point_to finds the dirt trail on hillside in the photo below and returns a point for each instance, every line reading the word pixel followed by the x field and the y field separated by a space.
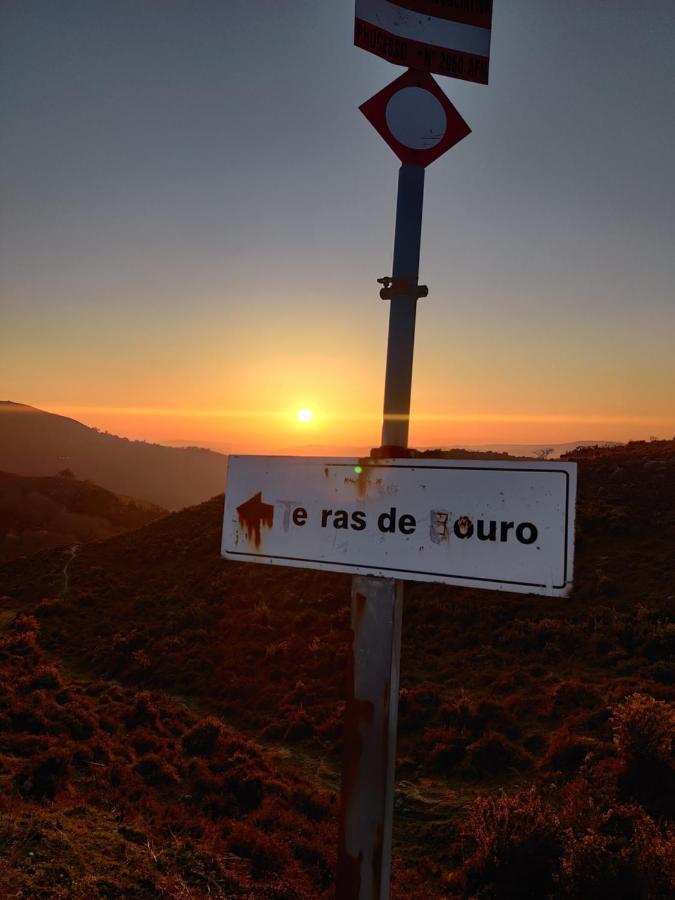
pixel 72 553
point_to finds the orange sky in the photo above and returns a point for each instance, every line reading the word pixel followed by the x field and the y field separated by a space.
pixel 190 247
pixel 236 380
pixel 272 431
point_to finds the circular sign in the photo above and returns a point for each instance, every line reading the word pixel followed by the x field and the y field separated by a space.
pixel 416 118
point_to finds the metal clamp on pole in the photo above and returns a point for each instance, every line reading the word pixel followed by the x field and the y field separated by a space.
pixel 402 287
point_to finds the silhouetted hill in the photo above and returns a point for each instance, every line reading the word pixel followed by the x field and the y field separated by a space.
pixel 460 453
pixel 41 513
pixel 500 451
pixel 532 729
pixel 33 442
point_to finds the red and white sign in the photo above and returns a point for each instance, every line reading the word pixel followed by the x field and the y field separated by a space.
pixel 447 37
pixel 415 118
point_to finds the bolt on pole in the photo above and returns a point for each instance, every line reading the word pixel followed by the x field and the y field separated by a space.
pixel 371 715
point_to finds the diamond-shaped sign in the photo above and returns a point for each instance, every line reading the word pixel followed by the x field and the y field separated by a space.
pixel 415 118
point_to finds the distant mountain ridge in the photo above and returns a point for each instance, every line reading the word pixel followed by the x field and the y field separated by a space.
pixel 551 450
pixel 34 442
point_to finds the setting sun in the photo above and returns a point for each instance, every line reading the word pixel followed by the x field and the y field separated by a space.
pixel 305 415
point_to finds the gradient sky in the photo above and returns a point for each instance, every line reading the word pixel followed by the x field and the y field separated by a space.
pixel 193 214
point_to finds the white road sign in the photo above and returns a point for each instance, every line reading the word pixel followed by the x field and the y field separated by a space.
pixel 496 525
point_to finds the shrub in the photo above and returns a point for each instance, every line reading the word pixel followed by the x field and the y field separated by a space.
pixel 644 733
pixel 569 697
pixel 663 671
pixel 49 607
pixel 43 678
pixel 655 859
pixel 517 842
pixel 24 624
pixel 644 729
pixel 660 644
pixel 80 723
pixel 417 705
pixel 143 712
pixel 463 715
pixel 446 748
pixel 314 859
pixel 310 804
pixel 145 741
pixel 493 753
pixel 45 776
pixel 535 743
pixel 592 870
pixel 248 791
pixel 567 751
pixel 267 856
pixel 22 640
pixel 202 739
pixel 625 858
pixel 332 727
pixel 155 772
pixel 300 726
pixel 495 717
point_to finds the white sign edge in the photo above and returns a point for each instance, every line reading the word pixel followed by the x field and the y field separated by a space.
pixel 567 468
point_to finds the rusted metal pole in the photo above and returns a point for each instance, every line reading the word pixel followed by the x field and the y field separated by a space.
pixel 371 717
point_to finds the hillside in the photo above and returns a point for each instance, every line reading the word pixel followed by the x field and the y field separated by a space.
pixel 536 735
pixel 43 513
pixel 33 442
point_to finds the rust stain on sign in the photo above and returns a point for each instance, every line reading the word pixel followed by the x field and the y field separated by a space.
pixel 253 514
pixel 362 480
pixel 439 531
pixel 463 527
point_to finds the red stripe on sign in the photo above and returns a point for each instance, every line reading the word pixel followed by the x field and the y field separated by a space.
pixel 424 57
pixel 469 12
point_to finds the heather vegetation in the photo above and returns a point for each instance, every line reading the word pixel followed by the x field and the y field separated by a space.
pixel 112 792
pixel 171 724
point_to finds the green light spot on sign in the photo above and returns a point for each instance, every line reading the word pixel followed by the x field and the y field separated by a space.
pixel 358 469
